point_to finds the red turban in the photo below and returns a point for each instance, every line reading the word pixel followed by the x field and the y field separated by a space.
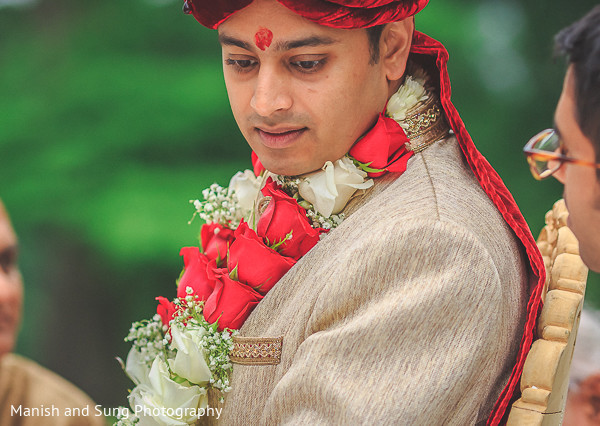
pixel 332 13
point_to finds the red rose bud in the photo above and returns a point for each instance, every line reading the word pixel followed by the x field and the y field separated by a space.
pixel 198 274
pixel 165 309
pixel 282 215
pixel 216 240
pixel 230 303
pixel 257 265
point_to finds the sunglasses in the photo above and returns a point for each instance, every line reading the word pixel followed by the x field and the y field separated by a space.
pixel 545 157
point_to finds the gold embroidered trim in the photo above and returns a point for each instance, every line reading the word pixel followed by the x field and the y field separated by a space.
pixel 256 350
pixel 426 124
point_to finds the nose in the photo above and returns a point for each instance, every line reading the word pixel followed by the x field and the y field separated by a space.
pixel 271 93
pixel 559 174
pixel 10 287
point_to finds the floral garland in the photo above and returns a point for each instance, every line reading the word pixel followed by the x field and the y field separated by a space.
pixel 255 231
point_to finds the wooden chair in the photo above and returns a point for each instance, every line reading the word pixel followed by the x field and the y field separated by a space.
pixel 545 379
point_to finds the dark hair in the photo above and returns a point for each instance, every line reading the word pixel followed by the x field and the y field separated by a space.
pixel 374 36
pixel 580 42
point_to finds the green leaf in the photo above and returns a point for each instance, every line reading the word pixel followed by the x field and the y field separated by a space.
pixel 179 279
pixel 234 273
pixel 283 240
pixel 305 204
pixel 178 379
pixel 365 166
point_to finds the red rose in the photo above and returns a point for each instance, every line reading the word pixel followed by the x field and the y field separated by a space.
pixel 230 303
pixel 383 147
pixel 216 240
pixel 198 273
pixel 258 266
pixel 165 309
pixel 282 215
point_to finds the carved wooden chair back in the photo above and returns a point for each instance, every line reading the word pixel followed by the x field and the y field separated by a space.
pixel 545 379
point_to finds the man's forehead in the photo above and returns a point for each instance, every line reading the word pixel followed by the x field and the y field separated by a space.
pixel 7 234
pixel 565 109
pixel 271 16
pixel 279 30
pixel 3 212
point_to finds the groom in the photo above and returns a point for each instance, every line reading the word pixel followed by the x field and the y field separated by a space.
pixel 413 310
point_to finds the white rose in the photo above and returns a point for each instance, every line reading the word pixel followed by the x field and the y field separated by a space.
pixel 136 367
pixel 165 402
pixel 330 190
pixel 246 187
pixel 190 360
pixel 408 96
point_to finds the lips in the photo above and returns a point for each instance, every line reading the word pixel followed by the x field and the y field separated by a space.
pixel 280 138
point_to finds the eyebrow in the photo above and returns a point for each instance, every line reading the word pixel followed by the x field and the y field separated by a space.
pixel 312 41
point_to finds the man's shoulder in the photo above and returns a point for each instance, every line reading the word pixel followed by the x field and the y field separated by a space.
pixel 438 185
pixel 23 381
pixel 437 192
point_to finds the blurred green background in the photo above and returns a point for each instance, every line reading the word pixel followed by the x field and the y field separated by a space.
pixel 113 114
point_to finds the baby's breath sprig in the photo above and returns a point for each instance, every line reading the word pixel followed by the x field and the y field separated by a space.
pixel 148 337
pixel 320 221
pixel 289 184
pixel 216 344
pixel 125 417
pixel 219 345
pixel 220 206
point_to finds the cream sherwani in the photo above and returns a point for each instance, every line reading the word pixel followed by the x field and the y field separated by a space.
pixel 410 312
pixel 31 395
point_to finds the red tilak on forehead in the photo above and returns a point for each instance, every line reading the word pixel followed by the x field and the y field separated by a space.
pixel 263 38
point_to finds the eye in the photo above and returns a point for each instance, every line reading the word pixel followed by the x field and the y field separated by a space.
pixel 8 260
pixel 308 66
pixel 241 65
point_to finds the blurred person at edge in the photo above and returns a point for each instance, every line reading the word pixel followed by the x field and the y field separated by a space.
pixel 571 150
pixel 29 393
pixel 583 402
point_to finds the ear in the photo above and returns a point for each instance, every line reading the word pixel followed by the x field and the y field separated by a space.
pixel 395 46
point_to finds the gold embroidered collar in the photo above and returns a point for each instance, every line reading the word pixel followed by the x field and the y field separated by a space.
pixel 426 124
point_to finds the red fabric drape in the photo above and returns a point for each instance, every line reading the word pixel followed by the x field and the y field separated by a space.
pixel 499 194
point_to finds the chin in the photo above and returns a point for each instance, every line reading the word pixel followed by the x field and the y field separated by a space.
pixel 7 344
pixel 591 258
pixel 287 167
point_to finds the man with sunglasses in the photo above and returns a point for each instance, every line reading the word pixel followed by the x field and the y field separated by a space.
pixel 571 151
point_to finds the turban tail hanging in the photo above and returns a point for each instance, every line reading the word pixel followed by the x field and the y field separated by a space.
pixel 348 14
